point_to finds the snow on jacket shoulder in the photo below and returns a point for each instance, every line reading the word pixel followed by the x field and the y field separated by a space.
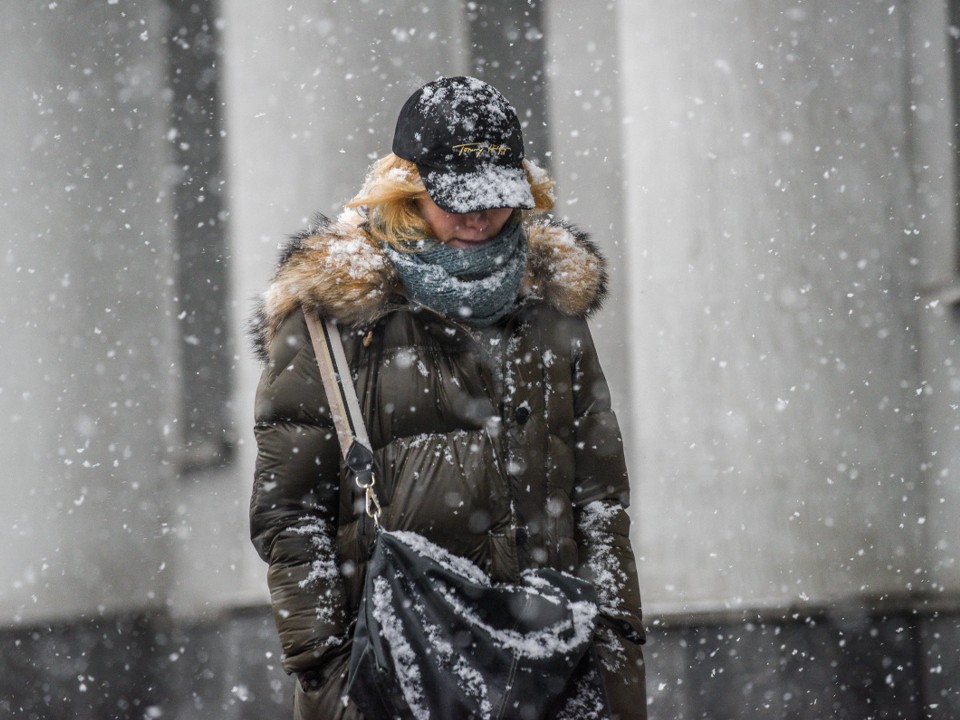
pixel 500 446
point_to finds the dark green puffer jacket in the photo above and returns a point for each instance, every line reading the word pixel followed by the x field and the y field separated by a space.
pixel 498 445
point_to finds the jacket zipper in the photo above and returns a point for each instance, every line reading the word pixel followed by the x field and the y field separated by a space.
pixel 496 443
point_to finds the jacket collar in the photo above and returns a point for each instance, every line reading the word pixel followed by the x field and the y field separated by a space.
pixel 337 267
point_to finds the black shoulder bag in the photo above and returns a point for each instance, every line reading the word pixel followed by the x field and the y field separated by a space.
pixel 435 638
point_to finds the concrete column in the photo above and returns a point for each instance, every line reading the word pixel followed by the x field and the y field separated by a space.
pixel 89 360
pixel 774 325
pixel 933 89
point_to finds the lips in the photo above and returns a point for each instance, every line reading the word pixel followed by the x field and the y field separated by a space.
pixel 461 243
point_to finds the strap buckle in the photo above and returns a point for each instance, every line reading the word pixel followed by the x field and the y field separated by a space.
pixel 365 480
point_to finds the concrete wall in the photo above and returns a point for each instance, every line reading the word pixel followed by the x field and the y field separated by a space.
pixel 774 183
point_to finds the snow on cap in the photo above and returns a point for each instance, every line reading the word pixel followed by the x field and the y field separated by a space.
pixel 466 141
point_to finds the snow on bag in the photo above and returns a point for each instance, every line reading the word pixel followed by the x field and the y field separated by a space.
pixel 436 639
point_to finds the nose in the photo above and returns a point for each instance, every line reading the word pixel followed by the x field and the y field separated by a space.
pixel 475 220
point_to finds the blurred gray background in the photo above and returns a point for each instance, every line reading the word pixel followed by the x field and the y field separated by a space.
pixel 775 184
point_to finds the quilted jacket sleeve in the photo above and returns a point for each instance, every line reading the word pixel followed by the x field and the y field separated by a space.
pixel 601 496
pixel 294 507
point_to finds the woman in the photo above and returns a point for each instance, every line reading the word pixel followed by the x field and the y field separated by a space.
pixel 462 311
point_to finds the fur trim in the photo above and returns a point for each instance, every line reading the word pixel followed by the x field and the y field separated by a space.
pixel 334 266
pixel 337 267
pixel 564 268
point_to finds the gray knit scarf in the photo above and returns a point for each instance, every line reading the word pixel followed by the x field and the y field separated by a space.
pixel 475 285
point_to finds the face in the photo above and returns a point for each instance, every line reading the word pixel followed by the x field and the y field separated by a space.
pixel 463 230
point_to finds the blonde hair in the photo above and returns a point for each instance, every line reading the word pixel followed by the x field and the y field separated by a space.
pixel 393 186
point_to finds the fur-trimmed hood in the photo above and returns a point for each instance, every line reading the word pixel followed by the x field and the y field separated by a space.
pixel 337 267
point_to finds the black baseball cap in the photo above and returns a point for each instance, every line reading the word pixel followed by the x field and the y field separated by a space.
pixel 465 140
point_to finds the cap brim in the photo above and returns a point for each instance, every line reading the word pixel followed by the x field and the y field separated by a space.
pixel 483 188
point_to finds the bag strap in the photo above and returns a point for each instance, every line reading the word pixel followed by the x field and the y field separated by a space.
pixel 344 406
